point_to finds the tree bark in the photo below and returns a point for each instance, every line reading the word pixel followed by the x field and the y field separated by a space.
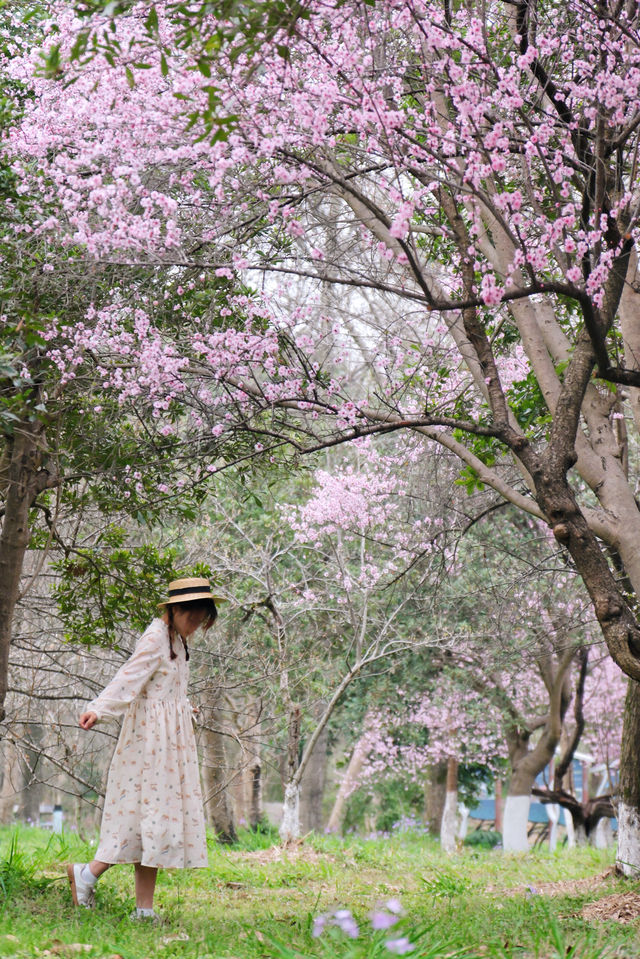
pixel 516 819
pixel 526 763
pixel 23 479
pixel 256 812
pixel 585 814
pixel 290 825
pixel 11 782
pixel 435 790
pixel 628 858
pixel 449 823
pixel 218 805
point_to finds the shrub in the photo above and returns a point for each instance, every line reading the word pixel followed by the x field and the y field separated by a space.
pixel 485 838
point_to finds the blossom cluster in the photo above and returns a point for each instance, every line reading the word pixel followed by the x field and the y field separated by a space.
pixel 381 919
pixel 133 182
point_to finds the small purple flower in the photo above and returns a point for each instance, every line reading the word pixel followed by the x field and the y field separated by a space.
pixel 342 918
pixel 394 906
pixel 345 921
pixel 400 946
pixel 382 920
pixel 318 926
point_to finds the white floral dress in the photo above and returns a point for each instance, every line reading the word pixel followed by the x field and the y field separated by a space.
pixel 153 812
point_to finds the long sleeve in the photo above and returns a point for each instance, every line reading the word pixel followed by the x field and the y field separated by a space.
pixel 131 678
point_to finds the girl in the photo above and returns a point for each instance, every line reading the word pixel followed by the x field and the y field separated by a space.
pixel 153 814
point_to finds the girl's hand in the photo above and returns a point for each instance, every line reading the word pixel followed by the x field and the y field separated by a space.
pixel 87 720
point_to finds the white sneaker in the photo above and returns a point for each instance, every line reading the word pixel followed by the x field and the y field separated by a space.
pixel 82 892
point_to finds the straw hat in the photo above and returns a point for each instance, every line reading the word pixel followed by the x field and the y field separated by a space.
pixel 187 590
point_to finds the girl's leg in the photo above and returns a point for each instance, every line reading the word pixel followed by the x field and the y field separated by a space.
pixel 83 878
pixel 145 885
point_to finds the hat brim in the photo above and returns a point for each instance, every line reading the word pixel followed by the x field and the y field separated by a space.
pixel 183 600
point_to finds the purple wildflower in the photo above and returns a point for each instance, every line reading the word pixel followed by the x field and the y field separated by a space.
pixel 394 906
pixel 342 918
pixel 382 920
pixel 318 926
pixel 399 946
pixel 345 921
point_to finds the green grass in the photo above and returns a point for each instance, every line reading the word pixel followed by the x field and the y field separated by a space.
pixel 258 900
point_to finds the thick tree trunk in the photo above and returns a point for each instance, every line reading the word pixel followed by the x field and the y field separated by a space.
pixel 12 782
pixel 435 790
pixel 245 763
pixel 619 628
pixel 525 763
pixel 580 833
pixel 22 479
pixel 515 825
pixel 218 805
pixel 290 825
pixel 628 858
pixel 448 828
pixel 516 808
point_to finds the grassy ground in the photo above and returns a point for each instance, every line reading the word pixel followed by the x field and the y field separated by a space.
pixel 258 900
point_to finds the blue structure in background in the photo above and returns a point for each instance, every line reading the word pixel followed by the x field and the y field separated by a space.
pixel 484 813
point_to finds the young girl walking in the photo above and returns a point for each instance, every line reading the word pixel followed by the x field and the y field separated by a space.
pixel 153 815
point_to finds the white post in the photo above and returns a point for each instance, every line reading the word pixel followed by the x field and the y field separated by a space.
pixel 603 835
pixel 449 822
pixel 463 819
pixel 514 828
pixel 553 812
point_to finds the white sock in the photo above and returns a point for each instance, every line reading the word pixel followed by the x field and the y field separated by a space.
pixel 140 911
pixel 87 876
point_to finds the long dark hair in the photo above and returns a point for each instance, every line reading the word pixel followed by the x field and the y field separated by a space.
pixel 207 606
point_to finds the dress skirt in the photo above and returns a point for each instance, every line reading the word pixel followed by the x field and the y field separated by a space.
pixel 153 812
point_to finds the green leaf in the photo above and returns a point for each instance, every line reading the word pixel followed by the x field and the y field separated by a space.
pixel 80 45
pixel 52 61
pixel 151 22
pixel 130 79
